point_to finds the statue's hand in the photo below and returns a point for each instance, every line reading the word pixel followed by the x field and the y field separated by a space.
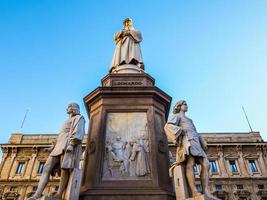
pixel 69 149
pixel 49 149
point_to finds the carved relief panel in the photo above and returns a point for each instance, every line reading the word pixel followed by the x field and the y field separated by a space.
pixel 127 149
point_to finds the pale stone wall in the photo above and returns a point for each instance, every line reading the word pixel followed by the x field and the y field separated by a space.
pixel 222 148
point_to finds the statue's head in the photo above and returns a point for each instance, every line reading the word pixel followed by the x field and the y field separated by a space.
pixel 128 22
pixel 118 138
pixel 180 105
pixel 73 108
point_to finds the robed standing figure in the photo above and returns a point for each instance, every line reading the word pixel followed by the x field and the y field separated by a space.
pixel 65 153
pixel 127 49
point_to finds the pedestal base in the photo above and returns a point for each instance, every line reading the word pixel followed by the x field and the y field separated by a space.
pixel 73 188
pixel 127 68
pixel 48 198
pixel 180 183
pixel 203 197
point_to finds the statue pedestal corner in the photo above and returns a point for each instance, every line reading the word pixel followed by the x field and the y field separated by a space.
pixel 179 182
pixel 73 189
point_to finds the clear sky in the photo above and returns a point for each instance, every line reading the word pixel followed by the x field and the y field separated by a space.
pixel 211 53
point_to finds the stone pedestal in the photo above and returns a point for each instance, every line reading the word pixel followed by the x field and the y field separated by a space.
pixel 73 188
pixel 202 197
pixel 180 182
pixel 47 198
pixel 127 151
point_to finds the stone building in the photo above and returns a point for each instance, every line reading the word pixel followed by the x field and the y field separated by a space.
pixel 238 165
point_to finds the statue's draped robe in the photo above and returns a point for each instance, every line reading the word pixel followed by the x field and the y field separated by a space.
pixel 140 151
pixel 190 142
pixel 72 132
pixel 128 50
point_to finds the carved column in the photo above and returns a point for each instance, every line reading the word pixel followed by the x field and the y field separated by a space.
pixel 241 161
pixel 32 161
pixel 14 151
pixel 264 154
pixel 4 156
pixel 262 165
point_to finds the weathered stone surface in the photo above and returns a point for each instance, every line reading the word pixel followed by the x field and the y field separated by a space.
pixel 202 197
pixel 48 198
pixel 127 80
pixel 127 147
pixel 143 105
pixel 73 189
pixel 179 181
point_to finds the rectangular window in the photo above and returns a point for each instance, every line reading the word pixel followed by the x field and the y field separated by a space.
pixel 242 198
pixel 40 168
pixel 233 166
pixel 218 187
pixel 261 187
pixel 34 188
pixel 199 188
pixel 12 188
pixel 253 166
pixel 20 168
pixel 213 166
pixel 239 187
pixel 195 170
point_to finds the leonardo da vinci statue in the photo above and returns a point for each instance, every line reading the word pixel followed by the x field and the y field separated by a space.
pixel 127 56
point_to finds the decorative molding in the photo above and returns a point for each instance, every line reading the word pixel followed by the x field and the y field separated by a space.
pixel 262 193
pixel 14 150
pixel 231 156
pixel 220 148
pixel 239 148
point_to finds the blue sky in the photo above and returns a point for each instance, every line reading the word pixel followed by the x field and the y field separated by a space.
pixel 211 53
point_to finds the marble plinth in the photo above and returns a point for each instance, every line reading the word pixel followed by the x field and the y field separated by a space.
pixel 127 68
pixel 180 182
pixel 73 188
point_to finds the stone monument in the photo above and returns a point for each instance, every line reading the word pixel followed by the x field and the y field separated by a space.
pixel 127 56
pixel 190 150
pixel 65 158
pixel 127 154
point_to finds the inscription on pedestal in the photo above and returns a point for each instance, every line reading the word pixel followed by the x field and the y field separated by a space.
pixel 127 83
pixel 127 147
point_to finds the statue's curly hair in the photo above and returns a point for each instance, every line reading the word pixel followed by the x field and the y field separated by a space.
pixel 75 107
pixel 177 106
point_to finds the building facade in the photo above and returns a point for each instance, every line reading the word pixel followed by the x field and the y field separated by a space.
pixel 238 165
